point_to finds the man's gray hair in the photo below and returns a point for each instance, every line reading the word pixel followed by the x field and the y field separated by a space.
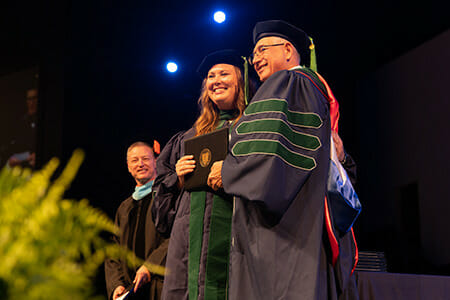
pixel 139 143
pixel 282 40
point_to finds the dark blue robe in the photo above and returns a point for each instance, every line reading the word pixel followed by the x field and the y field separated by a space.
pixel 172 210
pixel 277 170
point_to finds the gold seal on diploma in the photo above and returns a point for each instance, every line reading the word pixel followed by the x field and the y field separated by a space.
pixel 207 149
pixel 205 157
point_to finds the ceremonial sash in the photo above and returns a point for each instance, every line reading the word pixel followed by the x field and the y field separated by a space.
pixel 217 261
pixel 195 240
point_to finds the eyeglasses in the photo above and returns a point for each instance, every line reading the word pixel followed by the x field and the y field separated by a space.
pixel 260 50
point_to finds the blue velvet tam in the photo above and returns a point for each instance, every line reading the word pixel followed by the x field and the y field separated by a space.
pixel 287 31
pixel 227 56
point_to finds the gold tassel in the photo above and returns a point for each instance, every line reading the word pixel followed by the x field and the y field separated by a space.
pixel 246 87
pixel 313 62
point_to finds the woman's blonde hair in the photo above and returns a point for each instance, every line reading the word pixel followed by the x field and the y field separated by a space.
pixel 209 112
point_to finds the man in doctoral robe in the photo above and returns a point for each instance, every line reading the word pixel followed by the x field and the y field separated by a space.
pixel 137 232
pixel 277 169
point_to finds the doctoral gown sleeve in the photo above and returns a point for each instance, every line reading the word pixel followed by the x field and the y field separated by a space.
pixel 114 272
pixel 158 256
pixel 165 202
pixel 276 143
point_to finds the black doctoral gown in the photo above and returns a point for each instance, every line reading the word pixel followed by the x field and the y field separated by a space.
pixel 137 232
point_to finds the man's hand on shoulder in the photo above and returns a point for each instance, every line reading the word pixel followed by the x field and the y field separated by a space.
pixel 339 145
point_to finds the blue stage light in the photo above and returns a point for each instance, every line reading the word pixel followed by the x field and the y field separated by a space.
pixel 171 67
pixel 219 16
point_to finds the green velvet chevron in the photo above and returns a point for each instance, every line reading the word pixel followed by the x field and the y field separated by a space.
pixel 277 126
pixel 275 148
pixel 308 120
pixel 282 128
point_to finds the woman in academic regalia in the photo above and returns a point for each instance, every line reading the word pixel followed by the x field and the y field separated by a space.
pixel 199 223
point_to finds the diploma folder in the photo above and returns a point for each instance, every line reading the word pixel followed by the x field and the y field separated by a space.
pixel 207 149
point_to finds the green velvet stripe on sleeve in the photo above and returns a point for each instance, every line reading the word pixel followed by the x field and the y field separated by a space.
pixel 279 127
pixel 302 119
pixel 270 147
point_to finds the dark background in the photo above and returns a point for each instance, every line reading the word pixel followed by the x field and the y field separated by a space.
pixel 103 85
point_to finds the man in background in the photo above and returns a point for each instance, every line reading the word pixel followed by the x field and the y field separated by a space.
pixel 137 232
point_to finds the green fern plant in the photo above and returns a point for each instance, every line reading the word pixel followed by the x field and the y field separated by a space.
pixel 50 248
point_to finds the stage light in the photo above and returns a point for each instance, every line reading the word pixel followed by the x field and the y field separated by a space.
pixel 219 16
pixel 171 67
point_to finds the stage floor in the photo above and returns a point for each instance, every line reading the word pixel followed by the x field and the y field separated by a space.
pixel 382 286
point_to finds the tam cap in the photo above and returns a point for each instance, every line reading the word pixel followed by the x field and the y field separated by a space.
pixel 228 56
pixel 287 31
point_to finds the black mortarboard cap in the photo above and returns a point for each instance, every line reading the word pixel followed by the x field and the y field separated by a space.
pixel 228 56
pixel 287 31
